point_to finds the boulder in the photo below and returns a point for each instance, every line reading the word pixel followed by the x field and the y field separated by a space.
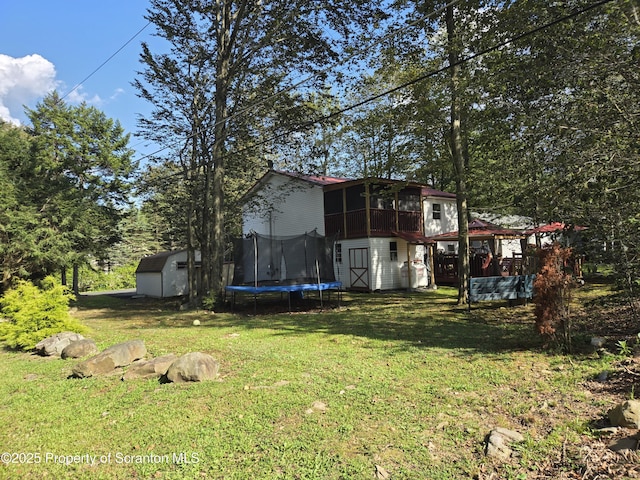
pixel 79 349
pixel 119 355
pixel 193 367
pixel 626 414
pixel 154 368
pixel 498 442
pixel 54 344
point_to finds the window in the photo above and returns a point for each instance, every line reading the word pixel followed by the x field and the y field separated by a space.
pixel 380 198
pixel 437 211
pixel 409 201
pixel 333 202
pixel 183 265
pixel 338 252
pixel 393 251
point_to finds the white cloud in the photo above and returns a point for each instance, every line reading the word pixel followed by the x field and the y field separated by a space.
pixel 77 96
pixel 23 80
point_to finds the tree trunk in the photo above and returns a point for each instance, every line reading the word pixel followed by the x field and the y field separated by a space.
pixel 76 279
pixel 457 155
pixel 217 241
pixel 191 237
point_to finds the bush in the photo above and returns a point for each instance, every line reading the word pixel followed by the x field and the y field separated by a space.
pixel 553 287
pixel 32 314
pixel 123 276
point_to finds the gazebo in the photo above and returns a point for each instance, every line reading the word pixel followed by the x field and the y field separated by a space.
pixel 494 251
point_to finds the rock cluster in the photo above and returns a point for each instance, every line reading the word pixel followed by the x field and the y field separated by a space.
pixel 192 367
pixel 53 345
pixel 120 355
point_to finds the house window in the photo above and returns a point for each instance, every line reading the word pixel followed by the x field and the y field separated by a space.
pixel 437 211
pixel 409 201
pixel 338 252
pixel 393 251
pixel 380 198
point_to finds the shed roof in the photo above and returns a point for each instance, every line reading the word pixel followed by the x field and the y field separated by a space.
pixel 155 263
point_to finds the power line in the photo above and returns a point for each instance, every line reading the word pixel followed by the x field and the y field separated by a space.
pixel 105 62
pixel 430 74
pixel 308 78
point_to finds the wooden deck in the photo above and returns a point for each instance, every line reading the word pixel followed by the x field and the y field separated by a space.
pixel 381 222
pixel 446 267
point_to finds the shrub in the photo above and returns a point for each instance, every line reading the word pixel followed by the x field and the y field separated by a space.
pixel 123 276
pixel 553 287
pixel 32 314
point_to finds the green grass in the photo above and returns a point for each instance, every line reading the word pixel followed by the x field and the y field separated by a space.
pixel 410 382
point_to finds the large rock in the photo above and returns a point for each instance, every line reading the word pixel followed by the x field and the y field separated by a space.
pixel 108 360
pixel 154 368
pixel 499 441
pixel 54 344
pixel 626 414
pixel 193 367
pixel 79 349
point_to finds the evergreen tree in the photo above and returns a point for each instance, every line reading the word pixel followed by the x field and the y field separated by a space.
pixel 65 182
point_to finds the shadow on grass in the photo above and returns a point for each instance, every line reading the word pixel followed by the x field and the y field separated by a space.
pixel 404 320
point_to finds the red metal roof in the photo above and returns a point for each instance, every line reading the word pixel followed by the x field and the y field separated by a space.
pixel 414 238
pixel 432 192
pixel 318 179
pixel 554 227
pixel 480 230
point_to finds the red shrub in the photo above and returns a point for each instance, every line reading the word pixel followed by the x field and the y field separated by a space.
pixel 553 285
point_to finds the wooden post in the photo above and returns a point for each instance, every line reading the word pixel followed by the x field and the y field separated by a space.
pixel 432 268
pixel 408 267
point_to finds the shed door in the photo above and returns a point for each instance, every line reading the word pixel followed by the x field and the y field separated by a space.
pixel 359 268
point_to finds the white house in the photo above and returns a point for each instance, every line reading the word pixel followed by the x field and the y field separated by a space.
pixel 381 226
pixel 164 274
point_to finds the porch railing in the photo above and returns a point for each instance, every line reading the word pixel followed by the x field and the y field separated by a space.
pixel 353 224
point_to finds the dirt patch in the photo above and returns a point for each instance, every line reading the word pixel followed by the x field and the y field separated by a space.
pixel 597 455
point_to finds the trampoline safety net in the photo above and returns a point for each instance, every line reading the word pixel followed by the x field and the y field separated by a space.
pixel 276 260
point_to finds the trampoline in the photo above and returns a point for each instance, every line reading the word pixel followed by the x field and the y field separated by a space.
pixel 268 264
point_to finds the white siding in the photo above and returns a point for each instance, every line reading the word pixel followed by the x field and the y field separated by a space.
pixel 286 207
pixel 342 269
pixel 384 273
pixel 175 282
pixel 149 284
pixel 448 221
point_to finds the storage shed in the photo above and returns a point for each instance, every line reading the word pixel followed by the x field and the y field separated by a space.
pixel 164 274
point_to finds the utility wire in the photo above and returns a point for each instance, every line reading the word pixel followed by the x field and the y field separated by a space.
pixel 430 74
pixel 277 94
pixel 104 63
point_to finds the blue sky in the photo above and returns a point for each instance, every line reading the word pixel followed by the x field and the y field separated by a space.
pixel 47 44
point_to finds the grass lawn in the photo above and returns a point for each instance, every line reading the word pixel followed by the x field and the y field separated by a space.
pixel 397 384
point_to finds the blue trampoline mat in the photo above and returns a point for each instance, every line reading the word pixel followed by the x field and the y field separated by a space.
pixel 299 287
